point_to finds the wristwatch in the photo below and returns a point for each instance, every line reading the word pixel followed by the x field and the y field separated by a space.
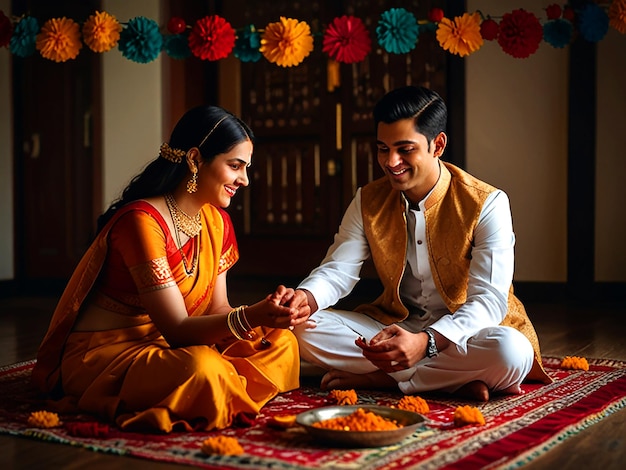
pixel 431 350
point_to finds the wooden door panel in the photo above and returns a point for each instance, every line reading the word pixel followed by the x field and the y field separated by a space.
pixel 56 165
pixel 316 144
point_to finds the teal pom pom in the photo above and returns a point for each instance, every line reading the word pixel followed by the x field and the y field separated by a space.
pixel 141 41
pixel 397 31
pixel 247 44
pixel 24 37
pixel 177 46
pixel 558 33
pixel 593 22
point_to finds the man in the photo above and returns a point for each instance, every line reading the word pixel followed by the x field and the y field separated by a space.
pixel 442 244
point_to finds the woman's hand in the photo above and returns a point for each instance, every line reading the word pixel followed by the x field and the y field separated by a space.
pixel 276 311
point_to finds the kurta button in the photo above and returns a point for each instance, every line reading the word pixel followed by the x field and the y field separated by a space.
pixel 419 242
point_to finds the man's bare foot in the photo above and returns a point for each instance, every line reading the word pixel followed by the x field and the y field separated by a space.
pixel 512 390
pixel 476 390
pixel 342 380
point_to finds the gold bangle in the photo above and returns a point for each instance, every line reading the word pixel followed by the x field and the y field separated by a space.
pixel 247 330
pixel 231 325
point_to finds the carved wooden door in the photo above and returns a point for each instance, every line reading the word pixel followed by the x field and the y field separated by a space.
pixel 315 139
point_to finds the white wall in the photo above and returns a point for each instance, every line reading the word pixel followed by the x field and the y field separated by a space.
pixel 131 104
pixel 6 161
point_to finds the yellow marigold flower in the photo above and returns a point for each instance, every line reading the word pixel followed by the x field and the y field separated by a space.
pixel 461 36
pixel 101 32
pixel 413 403
pixel 59 39
pixel 44 419
pixel 343 397
pixel 286 43
pixel 282 422
pixel 574 362
pixel 222 445
pixel 468 415
pixel 617 15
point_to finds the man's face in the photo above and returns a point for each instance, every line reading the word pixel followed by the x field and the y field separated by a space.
pixel 410 163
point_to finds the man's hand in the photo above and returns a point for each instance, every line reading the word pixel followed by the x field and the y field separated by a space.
pixel 394 348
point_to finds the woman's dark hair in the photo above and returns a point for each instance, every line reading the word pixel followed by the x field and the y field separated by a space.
pixel 426 107
pixel 210 128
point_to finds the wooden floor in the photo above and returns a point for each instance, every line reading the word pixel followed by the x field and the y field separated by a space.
pixel 596 331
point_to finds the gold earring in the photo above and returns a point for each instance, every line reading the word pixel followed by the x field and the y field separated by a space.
pixel 192 184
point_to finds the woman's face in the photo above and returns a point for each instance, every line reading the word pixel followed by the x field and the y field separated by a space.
pixel 219 180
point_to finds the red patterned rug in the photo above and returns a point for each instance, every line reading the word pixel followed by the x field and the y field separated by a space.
pixel 517 430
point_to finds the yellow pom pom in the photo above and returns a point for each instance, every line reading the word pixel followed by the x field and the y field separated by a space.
pixel 44 419
pixel 222 445
pixel 468 415
pixel 413 403
pixel 574 362
pixel 344 397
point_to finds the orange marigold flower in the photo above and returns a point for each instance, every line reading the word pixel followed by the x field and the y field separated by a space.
pixel 574 362
pixel 617 15
pixel 59 39
pixel 461 36
pixel 413 403
pixel 344 397
pixel 222 445
pixel 44 419
pixel 468 415
pixel 287 42
pixel 101 32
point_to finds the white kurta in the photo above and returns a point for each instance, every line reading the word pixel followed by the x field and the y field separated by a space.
pixel 481 350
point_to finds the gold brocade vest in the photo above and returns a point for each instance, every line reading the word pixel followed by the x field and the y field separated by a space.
pixel 451 212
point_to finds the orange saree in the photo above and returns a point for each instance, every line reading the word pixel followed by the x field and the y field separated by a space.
pixel 131 375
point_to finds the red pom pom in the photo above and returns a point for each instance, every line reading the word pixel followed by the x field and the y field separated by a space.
pixel 435 15
pixel 569 14
pixel 489 29
pixel 176 25
pixel 553 11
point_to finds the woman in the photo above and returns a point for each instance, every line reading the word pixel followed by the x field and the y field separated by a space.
pixel 144 334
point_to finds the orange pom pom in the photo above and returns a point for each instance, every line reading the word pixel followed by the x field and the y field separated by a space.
pixel 344 397
pixel 468 415
pixel 574 362
pixel 413 403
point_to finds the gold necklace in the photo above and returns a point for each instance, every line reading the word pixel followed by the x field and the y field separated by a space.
pixel 173 208
pixel 183 222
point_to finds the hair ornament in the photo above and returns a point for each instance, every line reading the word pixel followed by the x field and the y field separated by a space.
pixel 211 131
pixel 171 154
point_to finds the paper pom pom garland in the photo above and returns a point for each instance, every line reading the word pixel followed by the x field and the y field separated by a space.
pixel 461 36
pixel 6 30
pixel 346 40
pixel 397 31
pixel 101 32
pixel 286 43
pixel 520 33
pixel 24 38
pixel 141 40
pixel 212 38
